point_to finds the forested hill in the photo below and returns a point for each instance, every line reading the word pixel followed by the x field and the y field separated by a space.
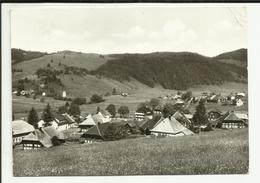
pixel 19 55
pixel 171 70
pixel 237 57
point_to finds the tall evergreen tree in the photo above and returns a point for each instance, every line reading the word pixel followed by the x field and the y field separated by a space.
pixel 47 115
pixel 199 117
pixel 33 118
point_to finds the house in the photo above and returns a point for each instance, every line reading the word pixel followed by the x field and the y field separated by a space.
pixel 180 117
pixel 213 115
pixel 139 116
pixel 95 133
pixel 43 137
pixel 158 110
pixel 107 116
pixel 31 141
pixel 238 102
pixel 169 127
pixel 41 123
pixel 143 112
pixel 49 136
pixel 232 120
pixel 87 123
pixel 20 129
pixel 62 121
pixel 240 95
pixel 180 103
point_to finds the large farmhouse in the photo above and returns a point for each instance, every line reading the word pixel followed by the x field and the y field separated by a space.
pixel 169 127
pixel 20 130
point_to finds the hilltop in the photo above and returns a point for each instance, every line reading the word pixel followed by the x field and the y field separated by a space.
pixel 237 57
pixel 83 74
pixel 171 70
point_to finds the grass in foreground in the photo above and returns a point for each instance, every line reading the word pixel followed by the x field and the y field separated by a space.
pixel 218 152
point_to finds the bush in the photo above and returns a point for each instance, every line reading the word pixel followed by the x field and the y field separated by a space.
pixel 96 99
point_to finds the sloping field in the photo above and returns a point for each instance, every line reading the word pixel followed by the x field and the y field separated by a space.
pixel 89 61
pixel 217 152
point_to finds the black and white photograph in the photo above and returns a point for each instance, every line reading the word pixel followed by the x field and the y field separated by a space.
pixel 126 90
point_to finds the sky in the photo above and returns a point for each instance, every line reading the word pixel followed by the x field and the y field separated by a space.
pixel 125 29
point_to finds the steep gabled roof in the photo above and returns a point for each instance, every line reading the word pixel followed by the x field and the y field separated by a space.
pixel 98 118
pixel 171 126
pixel 68 118
pixel 20 127
pixel 232 117
pixel 88 121
pixel 97 131
pixel 149 124
pixel 104 112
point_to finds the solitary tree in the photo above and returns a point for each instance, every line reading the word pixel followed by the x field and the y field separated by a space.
pixel 47 115
pixel 74 110
pixel 200 114
pixel 111 108
pixel 123 110
pixel 33 118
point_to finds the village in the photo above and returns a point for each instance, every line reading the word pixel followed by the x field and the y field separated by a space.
pixel 170 115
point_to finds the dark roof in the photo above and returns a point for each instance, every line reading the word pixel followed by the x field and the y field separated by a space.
pixel 59 116
pixel 97 131
pixel 149 124
pixel 181 118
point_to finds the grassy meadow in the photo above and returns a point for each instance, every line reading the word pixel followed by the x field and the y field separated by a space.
pixel 22 105
pixel 216 152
